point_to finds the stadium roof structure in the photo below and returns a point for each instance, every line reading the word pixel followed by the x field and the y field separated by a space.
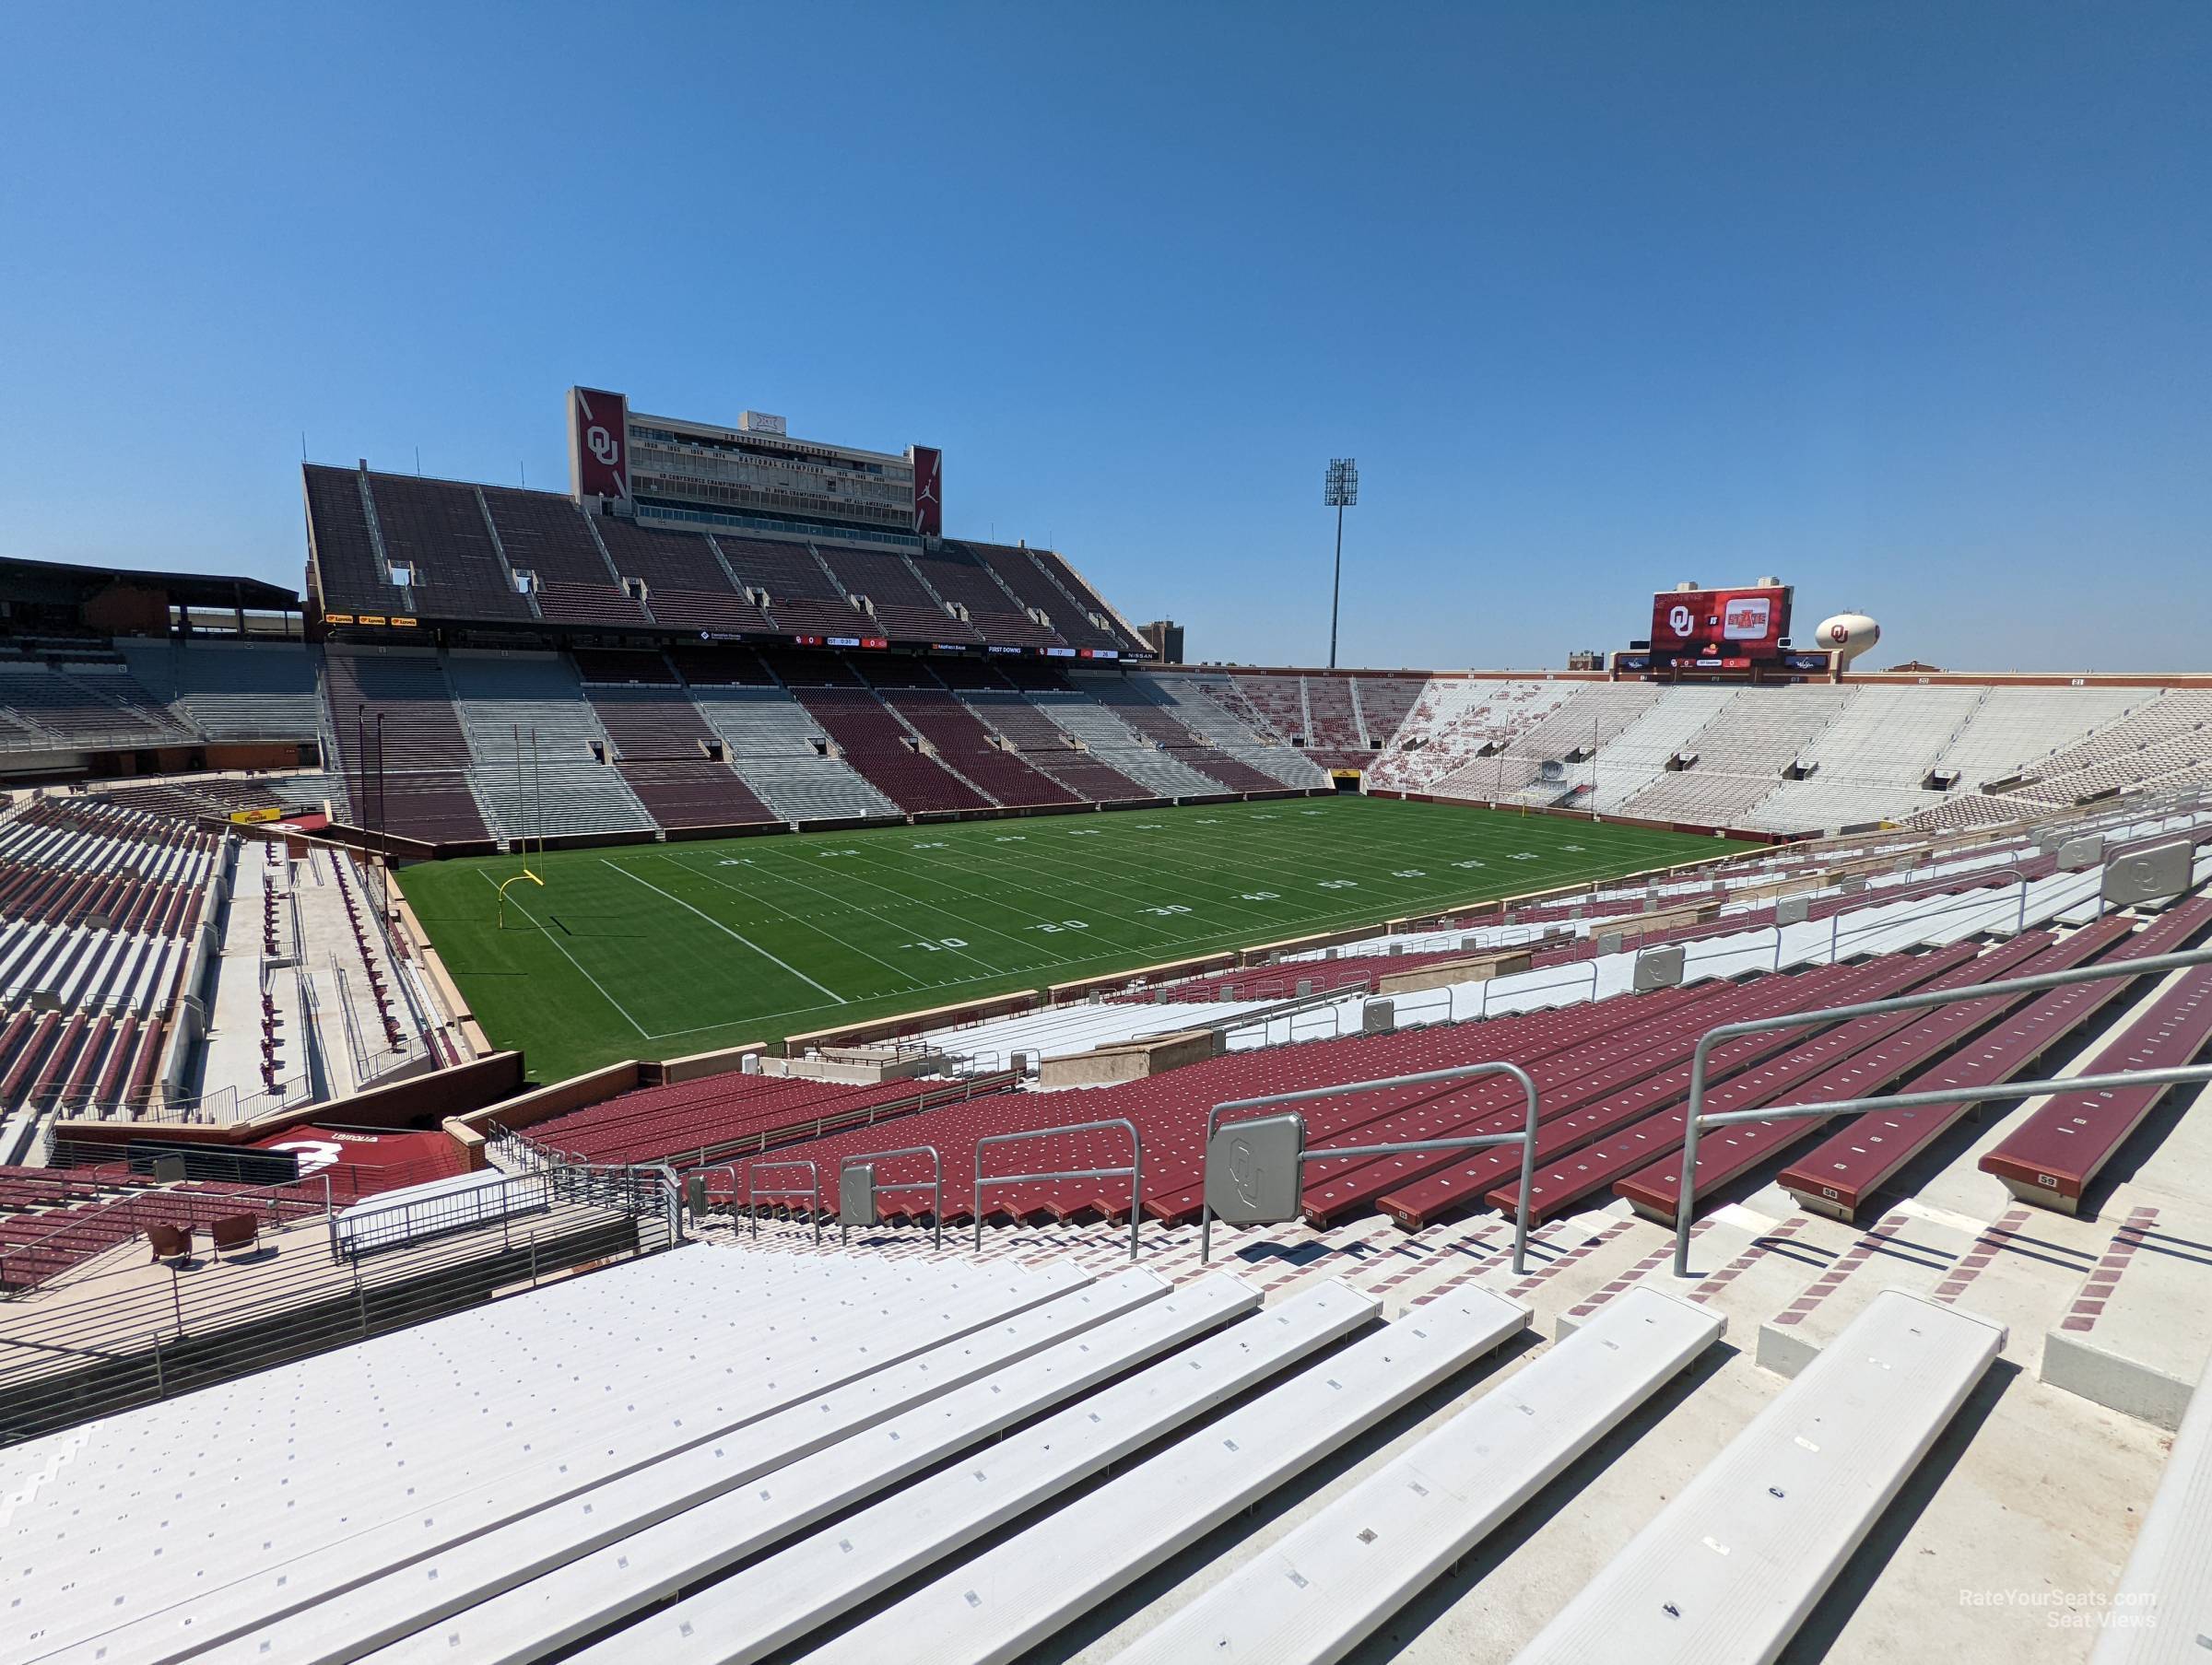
pixel 65 583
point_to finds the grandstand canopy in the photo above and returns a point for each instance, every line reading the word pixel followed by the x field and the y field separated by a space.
pixel 26 584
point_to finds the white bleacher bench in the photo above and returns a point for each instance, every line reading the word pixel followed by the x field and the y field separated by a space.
pixel 788 1594
pixel 480 1545
pixel 797 1330
pixel 646 1567
pixel 1313 1596
pixel 2161 1615
pixel 1005 1600
pixel 1727 1571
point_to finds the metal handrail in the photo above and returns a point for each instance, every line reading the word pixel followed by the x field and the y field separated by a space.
pixel 1967 901
pixel 1696 1121
pixel 753 1193
pixel 935 1187
pixel 1525 1139
pixel 1134 1173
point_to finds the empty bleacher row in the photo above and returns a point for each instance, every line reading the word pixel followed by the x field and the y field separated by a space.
pixel 1338 721
pixel 100 908
pixel 602 742
pixel 1784 758
pixel 387 544
pixel 737 1455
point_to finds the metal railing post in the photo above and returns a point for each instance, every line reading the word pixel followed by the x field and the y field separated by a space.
pixel 1525 1139
pixel 753 1193
pixel 936 1187
pixel 1134 1171
pixel 1695 1121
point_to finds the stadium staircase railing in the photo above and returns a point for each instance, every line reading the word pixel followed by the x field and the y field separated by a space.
pixel 1698 1122
pixel 1134 1173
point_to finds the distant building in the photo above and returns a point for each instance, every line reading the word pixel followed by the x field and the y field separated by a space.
pixel 1164 637
pixel 1586 659
pixel 1914 667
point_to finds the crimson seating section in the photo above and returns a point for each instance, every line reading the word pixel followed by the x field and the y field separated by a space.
pixel 689 1119
pixel 97 907
pixel 1385 704
pixel 2054 1156
pixel 48 1226
pixel 1614 1080
pixel 1034 589
pixel 418 780
pixel 1839 1174
pixel 877 744
pixel 391 1011
pixel 1326 716
pixel 436 530
pixel 965 745
pixel 1044 745
pixel 342 554
pixel 958 574
pixel 548 538
pixel 900 601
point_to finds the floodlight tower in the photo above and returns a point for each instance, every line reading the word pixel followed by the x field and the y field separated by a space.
pixel 1341 492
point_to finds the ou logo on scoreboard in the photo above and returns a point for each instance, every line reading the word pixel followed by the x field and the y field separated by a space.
pixel 603 444
pixel 1679 619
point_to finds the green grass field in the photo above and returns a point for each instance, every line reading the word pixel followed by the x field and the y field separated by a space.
pixel 659 950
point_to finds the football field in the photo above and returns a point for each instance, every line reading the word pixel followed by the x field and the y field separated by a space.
pixel 655 951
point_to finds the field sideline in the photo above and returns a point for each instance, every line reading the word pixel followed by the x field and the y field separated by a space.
pixel 659 950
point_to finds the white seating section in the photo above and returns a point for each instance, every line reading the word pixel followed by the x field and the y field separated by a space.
pixel 1863 753
pixel 1457 717
pixel 1728 1570
pixel 2012 729
pixel 1313 1595
pixel 1119 746
pixel 774 746
pixel 1202 713
pixel 1023 1589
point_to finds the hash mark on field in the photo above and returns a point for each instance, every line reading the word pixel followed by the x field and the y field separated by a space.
pixel 718 925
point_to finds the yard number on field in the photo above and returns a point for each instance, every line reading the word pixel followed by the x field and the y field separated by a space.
pixel 1167 912
pixel 1063 925
pixel 943 942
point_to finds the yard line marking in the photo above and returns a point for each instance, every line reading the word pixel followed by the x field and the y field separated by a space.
pixel 572 960
pixel 718 925
pixel 821 931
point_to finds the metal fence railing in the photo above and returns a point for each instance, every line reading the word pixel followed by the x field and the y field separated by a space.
pixel 1134 1173
pixel 120 1342
pixel 1696 1121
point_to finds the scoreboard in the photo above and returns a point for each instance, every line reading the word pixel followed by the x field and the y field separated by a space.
pixel 1733 629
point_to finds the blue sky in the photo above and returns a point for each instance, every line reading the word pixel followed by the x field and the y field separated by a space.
pixel 1907 304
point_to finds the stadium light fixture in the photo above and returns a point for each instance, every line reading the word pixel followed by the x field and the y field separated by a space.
pixel 1340 493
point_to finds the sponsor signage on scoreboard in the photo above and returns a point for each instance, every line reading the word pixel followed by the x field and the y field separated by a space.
pixel 929 498
pixel 598 443
pixel 1725 630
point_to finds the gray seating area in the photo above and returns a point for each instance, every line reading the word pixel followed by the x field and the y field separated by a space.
pixel 776 749
pixel 231 691
pixel 1114 744
pixel 533 734
pixel 80 705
